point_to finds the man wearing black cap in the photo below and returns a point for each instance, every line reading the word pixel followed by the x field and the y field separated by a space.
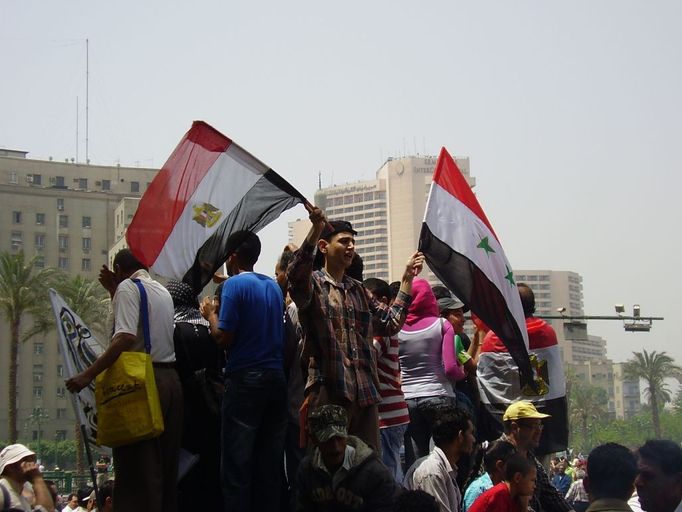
pixel 339 317
pixel 342 473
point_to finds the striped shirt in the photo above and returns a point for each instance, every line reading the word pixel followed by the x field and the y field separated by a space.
pixel 392 408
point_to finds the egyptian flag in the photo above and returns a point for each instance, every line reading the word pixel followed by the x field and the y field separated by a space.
pixel 209 188
pixel 463 251
pixel 499 384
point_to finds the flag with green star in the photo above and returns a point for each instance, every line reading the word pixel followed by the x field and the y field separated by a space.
pixel 464 252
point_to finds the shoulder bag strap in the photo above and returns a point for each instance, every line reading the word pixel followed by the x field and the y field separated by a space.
pixel 144 314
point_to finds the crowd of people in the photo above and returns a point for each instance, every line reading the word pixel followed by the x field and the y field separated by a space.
pixel 317 390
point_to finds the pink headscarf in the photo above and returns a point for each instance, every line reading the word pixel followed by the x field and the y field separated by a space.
pixel 424 304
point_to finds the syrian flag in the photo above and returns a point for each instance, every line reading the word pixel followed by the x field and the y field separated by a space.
pixel 499 384
pixel 209 188
pixel 463 251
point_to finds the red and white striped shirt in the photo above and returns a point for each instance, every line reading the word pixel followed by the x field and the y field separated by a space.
pixel 392 408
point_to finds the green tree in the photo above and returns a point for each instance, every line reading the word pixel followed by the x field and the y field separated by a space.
pixel 587 407
pixel 653 368
pixel 23 292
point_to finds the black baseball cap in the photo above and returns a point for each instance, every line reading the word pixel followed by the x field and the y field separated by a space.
pixel 337 226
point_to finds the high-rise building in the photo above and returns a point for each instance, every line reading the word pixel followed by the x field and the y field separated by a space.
pixel 623 394
pixel 562 291
pixel 386 212
pixel 64 213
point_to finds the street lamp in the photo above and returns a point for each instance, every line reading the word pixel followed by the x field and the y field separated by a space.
pixel 37 417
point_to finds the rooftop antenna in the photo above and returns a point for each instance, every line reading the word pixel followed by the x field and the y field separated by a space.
pixel 87 100
pixel 76 128
pixel 319 180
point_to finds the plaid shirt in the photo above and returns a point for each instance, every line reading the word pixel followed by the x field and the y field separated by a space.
pixel 338 321
pixel 546 498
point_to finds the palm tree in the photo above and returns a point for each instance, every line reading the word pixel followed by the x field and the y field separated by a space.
pixel 23 291
pixel 586 405
pixel 653 368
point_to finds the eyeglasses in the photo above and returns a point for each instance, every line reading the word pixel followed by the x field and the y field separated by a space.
pixel 531 426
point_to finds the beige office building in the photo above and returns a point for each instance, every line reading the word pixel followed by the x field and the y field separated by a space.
pixel 560 289
pixel 387 213
pixel 623 394
pixel 66 214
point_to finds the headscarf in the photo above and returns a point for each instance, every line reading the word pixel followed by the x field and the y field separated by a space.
pixel 423 303
pixel 186 303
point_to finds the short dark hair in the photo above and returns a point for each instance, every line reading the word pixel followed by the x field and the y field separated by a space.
pixel 395 288
pixel 356 267
pixel 611 471
pixel 246 245
pixel 378 287
pixel 285 259
pixel 440 291
pixel 665 454
pixel 447 422
pixel 106 490
pixel 127 262
pixel 527 299
pixel 415 501
pixel 517 463
pixel 497 450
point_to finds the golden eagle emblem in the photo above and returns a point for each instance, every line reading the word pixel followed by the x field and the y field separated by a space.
pixel 206 214
pixel 540 376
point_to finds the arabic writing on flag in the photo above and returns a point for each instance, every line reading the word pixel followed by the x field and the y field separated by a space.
pixel 209 188
pixel 80 349
pixel 464 252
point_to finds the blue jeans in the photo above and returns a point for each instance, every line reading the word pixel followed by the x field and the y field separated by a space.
pixel 391 441
pixel 253 430
pixel 418 432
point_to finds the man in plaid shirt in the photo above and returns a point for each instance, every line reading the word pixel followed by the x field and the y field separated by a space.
pixel 339 317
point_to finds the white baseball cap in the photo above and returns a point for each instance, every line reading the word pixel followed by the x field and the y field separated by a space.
pixel 11 454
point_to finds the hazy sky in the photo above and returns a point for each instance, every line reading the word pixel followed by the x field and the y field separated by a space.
pixel 570 113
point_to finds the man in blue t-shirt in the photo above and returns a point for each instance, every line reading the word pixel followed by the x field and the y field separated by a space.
pixel 250 324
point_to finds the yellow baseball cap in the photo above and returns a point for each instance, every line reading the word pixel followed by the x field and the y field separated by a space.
pixel 522 409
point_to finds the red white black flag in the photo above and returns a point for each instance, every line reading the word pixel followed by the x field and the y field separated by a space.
pixel 464 252
pixel 209 188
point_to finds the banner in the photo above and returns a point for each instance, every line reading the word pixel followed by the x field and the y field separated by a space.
pixel 79 348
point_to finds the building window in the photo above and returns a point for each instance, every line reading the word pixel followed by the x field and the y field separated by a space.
pixel 63 263
pixel 86 265
pixel 60 435
pixel 63 221
pixel 83 183
pixel 40 262
pixel 40 219
pixel 61 391
pixel 16 217
pixel 60 370
pixel 134 186
pixel 38 348
pixel 37 179
pixel 106 185
pixel 63 242
pixel 87 222
pixel 12 178
pixel 60 204
pixel 35 435
pixel 37 392
pixel 17 239
pixel 39 240
pixel 87 244
pixel 59 182
pixel 61 414
pixel 37 373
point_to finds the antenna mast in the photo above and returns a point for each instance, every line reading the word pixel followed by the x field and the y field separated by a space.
pixel 76 129
pixel 87 100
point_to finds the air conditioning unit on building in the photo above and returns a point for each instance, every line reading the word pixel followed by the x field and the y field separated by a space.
pixel 29 178
pixel 98 183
